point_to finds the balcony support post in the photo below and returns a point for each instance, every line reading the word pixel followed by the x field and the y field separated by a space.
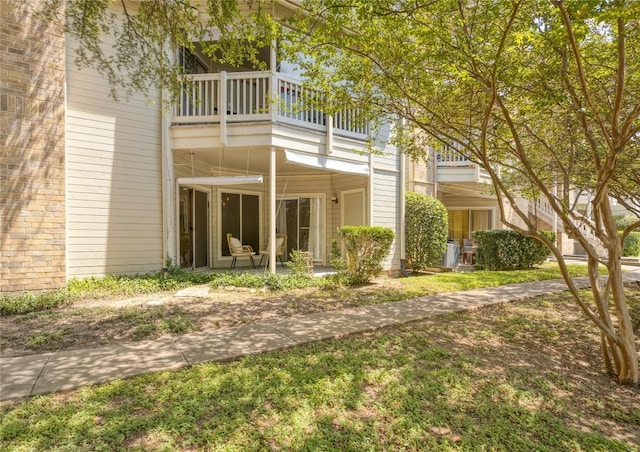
pixel 222 108
pixel 274 98
pixel 272 211
pixel 329 125
pixel 169 228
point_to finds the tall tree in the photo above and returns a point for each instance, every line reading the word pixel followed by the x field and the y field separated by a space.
pixel 543 94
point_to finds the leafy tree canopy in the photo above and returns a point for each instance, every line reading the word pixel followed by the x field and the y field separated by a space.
pixel 543 94
pixel 142 38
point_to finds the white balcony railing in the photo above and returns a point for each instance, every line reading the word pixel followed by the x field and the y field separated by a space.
pixel 450 157
pixel 247 96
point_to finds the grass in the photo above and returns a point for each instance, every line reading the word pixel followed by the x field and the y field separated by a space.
pixel 419 285
pixel 495 379
pixel 102 321
pixel 123 285
pixel 101 287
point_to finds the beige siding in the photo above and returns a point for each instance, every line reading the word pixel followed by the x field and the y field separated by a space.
pixel 388 158
pixel 344 182
pixel 114 204
pixel 386 211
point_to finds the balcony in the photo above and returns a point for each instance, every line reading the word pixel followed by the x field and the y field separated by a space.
pixel 454 167
pixel 245 107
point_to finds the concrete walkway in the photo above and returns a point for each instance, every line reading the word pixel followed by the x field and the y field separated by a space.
pixel 58 371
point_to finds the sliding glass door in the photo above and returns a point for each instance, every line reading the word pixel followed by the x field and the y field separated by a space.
pixel 240 216
pixel 301 219
pixel 463 222
pixel 194 228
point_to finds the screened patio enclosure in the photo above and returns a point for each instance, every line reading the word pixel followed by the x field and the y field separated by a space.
pixel 253 207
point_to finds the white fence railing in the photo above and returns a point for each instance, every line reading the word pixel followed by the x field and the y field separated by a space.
pixel 248 96
pixel 542 209
pixel 451 157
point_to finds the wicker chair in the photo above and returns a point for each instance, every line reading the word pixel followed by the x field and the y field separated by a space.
pixel 237 249
pixel 281 248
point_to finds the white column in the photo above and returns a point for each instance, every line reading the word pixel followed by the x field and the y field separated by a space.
pixel 222 108
pixel 169 229
pixel 272 211
pixel 370 200
pixel 274 94
pixel 329 147
pixel 402 189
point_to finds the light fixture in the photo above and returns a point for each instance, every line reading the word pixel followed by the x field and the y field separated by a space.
pixel 334 199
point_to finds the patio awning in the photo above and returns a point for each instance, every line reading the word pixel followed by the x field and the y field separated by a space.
pixel 326 163
pixel 220 180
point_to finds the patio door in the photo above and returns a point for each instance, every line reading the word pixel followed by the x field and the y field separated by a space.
pixel 240 216
pixel 194 228
pixel 463 222
pixel 301 219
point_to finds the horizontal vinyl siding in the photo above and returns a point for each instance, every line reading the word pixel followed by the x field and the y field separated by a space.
pixel 386 211
pixel 388 160
pixel 341 183
pixel 114 186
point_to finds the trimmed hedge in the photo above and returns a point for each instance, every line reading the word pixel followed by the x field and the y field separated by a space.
pixel 366 247
pixel 632 245
pixel 509 250
pixel 426 227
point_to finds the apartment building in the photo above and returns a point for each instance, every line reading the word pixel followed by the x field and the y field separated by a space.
pixel 92 187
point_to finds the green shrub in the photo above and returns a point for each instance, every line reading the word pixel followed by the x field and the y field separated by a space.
pixel 623 221
pixel 29 302
pixel 426 230
pixel 266 280
pixel 509 250
pixel 298 264
pixel 341 277
pixel 632 245
pixel 98 287
pixel 366 247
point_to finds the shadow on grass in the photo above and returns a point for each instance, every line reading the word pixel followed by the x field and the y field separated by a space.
pixel 494 379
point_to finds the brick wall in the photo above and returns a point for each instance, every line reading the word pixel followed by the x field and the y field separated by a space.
pixel 32 154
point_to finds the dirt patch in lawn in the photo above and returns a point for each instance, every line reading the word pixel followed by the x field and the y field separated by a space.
pixel 96 322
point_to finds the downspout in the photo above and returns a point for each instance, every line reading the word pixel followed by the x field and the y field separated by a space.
pixel 434 172
pixel 329 146
pixel 222 107
pixel 271 246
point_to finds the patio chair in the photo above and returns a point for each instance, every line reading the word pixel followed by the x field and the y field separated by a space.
pixel 281 247
pixel 237 249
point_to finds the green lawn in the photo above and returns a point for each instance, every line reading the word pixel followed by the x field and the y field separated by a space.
pixel 129 286
pixel 516 377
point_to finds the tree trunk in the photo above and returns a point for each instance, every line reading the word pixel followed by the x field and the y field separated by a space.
pixel 627 367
